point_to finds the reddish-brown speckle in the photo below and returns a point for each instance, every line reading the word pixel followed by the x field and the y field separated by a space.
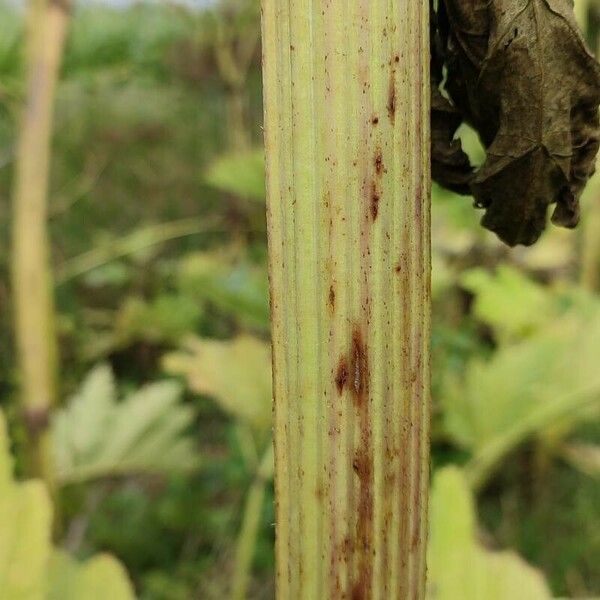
pixel 359 367
pixel 379 168
pixel 375 198
pixel 37 420
pixel 391 104
pixel 342 375
pixel 362 465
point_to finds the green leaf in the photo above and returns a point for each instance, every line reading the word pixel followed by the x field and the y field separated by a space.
pixel 25 525
pixel 100 578
pixel 526 389
pixel 509 302
pixel 95 436
pixel 241 174
pixel 165 318
pixel 237 373
pixel 25 522
pixel 29 568
pixel 235 287
pixel 459 567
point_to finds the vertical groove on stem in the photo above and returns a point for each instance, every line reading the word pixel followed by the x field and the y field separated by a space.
pixel 347 141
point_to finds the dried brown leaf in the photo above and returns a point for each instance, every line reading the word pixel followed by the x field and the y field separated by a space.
pixel 450 166
pixel 520 73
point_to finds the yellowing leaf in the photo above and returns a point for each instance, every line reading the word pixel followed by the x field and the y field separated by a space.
pixel 100 578
pixel 29 568
pixel 237 373
pixel 25 524
pixel 459 567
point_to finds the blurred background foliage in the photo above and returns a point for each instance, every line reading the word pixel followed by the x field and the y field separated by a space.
pixel 161 438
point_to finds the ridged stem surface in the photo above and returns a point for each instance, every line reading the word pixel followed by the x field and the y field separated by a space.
pixel 347 143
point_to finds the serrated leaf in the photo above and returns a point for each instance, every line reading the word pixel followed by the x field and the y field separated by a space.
pixel 136 416
pixel 524 390
pixel 91 409
pixel 237 373
pixel 136 435
pixel 459 567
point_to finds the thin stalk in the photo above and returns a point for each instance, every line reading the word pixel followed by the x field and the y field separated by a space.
pixel 32 277
pixel 481 466
pixel 250 526
pixel 138 240
pixel 347 142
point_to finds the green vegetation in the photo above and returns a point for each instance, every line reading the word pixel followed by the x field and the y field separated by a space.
pixel 30 568
pixel 161 434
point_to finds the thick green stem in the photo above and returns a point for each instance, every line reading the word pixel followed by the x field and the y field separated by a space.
pixel 32 278
pixel 347 142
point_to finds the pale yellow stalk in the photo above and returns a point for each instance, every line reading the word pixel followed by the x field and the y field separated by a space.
pixel 251 522
pixel 347 142
pixel 32 281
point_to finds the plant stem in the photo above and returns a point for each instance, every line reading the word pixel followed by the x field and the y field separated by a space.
pixel 480 467
pixel 250 526
pixel 138 240
pixel 32 278
pixel 347 143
